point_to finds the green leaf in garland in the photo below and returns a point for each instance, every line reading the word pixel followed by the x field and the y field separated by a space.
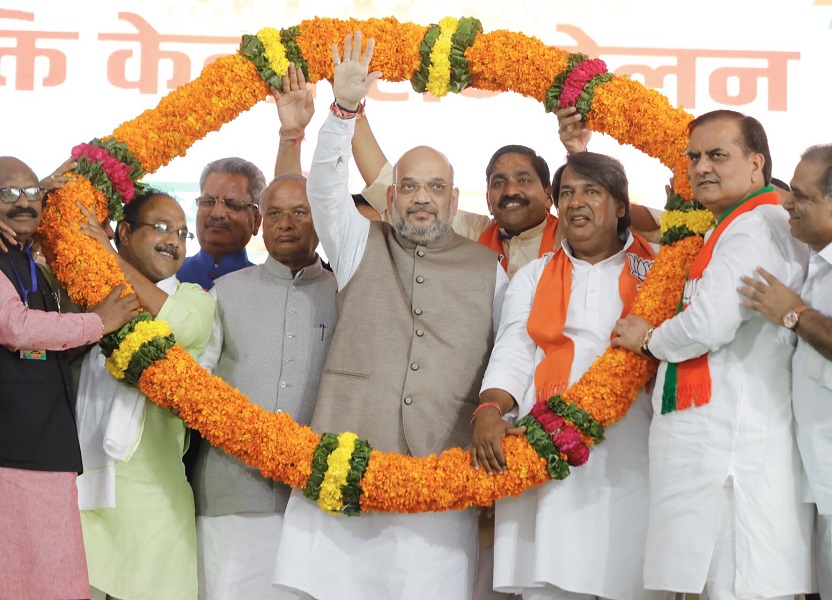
pixel 293 52
pixel 252 48
pixel 578 417
pixel 328 443
pixel 550 103
pixel 544 446
pixel 352 491
pixel 94 172
pixel 110 342
pixel 149 352
pixel 464 38
pixel 419 81
pixel 584 103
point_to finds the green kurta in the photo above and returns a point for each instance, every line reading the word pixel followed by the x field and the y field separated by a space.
pixel 145 547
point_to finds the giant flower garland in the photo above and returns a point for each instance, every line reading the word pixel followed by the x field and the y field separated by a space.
pixel 341 472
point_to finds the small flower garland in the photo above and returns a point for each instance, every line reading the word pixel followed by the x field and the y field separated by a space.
pixel 341 472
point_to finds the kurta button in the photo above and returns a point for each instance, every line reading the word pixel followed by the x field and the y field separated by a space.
pixel 420 279
pixel 408 400
pixel 414 366
pixel 420 333
pixel 283 384
pixel 417 311
pixel 420 253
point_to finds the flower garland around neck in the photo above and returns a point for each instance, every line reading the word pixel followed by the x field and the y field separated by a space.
pixel 340 471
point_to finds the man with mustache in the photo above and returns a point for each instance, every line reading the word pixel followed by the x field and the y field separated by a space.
pixel 226 218
pixel 808 314
pixel 557 318
pixel 521 227
pixel 42 551
pixel 137 506
pixel 726 517
pixel 418 306
pixel 273 328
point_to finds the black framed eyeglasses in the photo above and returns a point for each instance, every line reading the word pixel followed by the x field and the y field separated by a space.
pixel 207 202
pixel 10 195
pixel 168 230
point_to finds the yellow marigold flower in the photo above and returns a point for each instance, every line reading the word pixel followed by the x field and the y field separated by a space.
pixel 698 221
pixel 143 332
pixel 439 73
pixel 275 50
pixel 331 498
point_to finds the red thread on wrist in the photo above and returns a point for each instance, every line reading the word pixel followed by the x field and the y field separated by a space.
pixel 295 140
pixel 483 405
pixel 345 113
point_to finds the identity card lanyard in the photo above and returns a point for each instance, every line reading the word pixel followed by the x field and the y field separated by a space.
pixel 32 271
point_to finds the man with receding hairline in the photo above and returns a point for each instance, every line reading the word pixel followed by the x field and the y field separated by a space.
pixel 414 297
pixel 726 519
pixel 271 334
pixel 42 550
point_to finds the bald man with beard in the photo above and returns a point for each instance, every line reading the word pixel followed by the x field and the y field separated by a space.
pixel 414 297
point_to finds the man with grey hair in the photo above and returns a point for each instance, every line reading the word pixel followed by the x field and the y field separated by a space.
pixel 272 331
pixel 810 316
pixel 227 216
pixel 418 306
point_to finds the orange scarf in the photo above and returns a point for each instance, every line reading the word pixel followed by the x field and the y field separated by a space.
pixel 551 302
pixel 491 238
pixel 688 383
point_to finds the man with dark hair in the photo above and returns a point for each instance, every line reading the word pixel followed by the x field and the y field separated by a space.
pixel 810 316
pixel 271 335
pixel 42 550
pixel 137 506
pixel 557 317
pixel 226 218
pixel 725 507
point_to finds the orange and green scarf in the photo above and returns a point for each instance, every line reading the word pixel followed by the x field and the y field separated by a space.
pixel 688 383
pixel 551 303
pixel 492 238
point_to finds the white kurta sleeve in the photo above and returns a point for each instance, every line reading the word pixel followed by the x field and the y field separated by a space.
pixel 512 363
pixel 715 312
pixel 342 230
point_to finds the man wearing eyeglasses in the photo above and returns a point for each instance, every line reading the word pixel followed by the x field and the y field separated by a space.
pixel 227 216
pixel 418 308
pixel 137 506
pixel 42 551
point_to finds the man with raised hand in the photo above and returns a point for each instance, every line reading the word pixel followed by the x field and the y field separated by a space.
pixel 414 297
pixel 809 314
pixel 726 518
pixel 42 550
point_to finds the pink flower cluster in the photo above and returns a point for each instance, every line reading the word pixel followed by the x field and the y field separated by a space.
pixel 578 77
pixel 566 438
pixel 117 172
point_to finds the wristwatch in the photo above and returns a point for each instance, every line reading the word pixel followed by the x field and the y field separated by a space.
pixel 791 317
pixel 645 343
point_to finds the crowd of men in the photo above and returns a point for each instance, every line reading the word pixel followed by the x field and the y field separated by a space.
pixel 431 328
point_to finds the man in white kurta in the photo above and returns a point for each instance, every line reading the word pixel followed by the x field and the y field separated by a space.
pixel 383 556
pixel 726 517
pixel 582 537
pixel 808 314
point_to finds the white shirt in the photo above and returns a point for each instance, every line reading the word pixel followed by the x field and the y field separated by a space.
pixel 584 534
pixel 812 391
pixel 743 437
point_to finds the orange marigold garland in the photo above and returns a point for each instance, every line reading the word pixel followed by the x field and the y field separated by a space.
pixel 284 450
